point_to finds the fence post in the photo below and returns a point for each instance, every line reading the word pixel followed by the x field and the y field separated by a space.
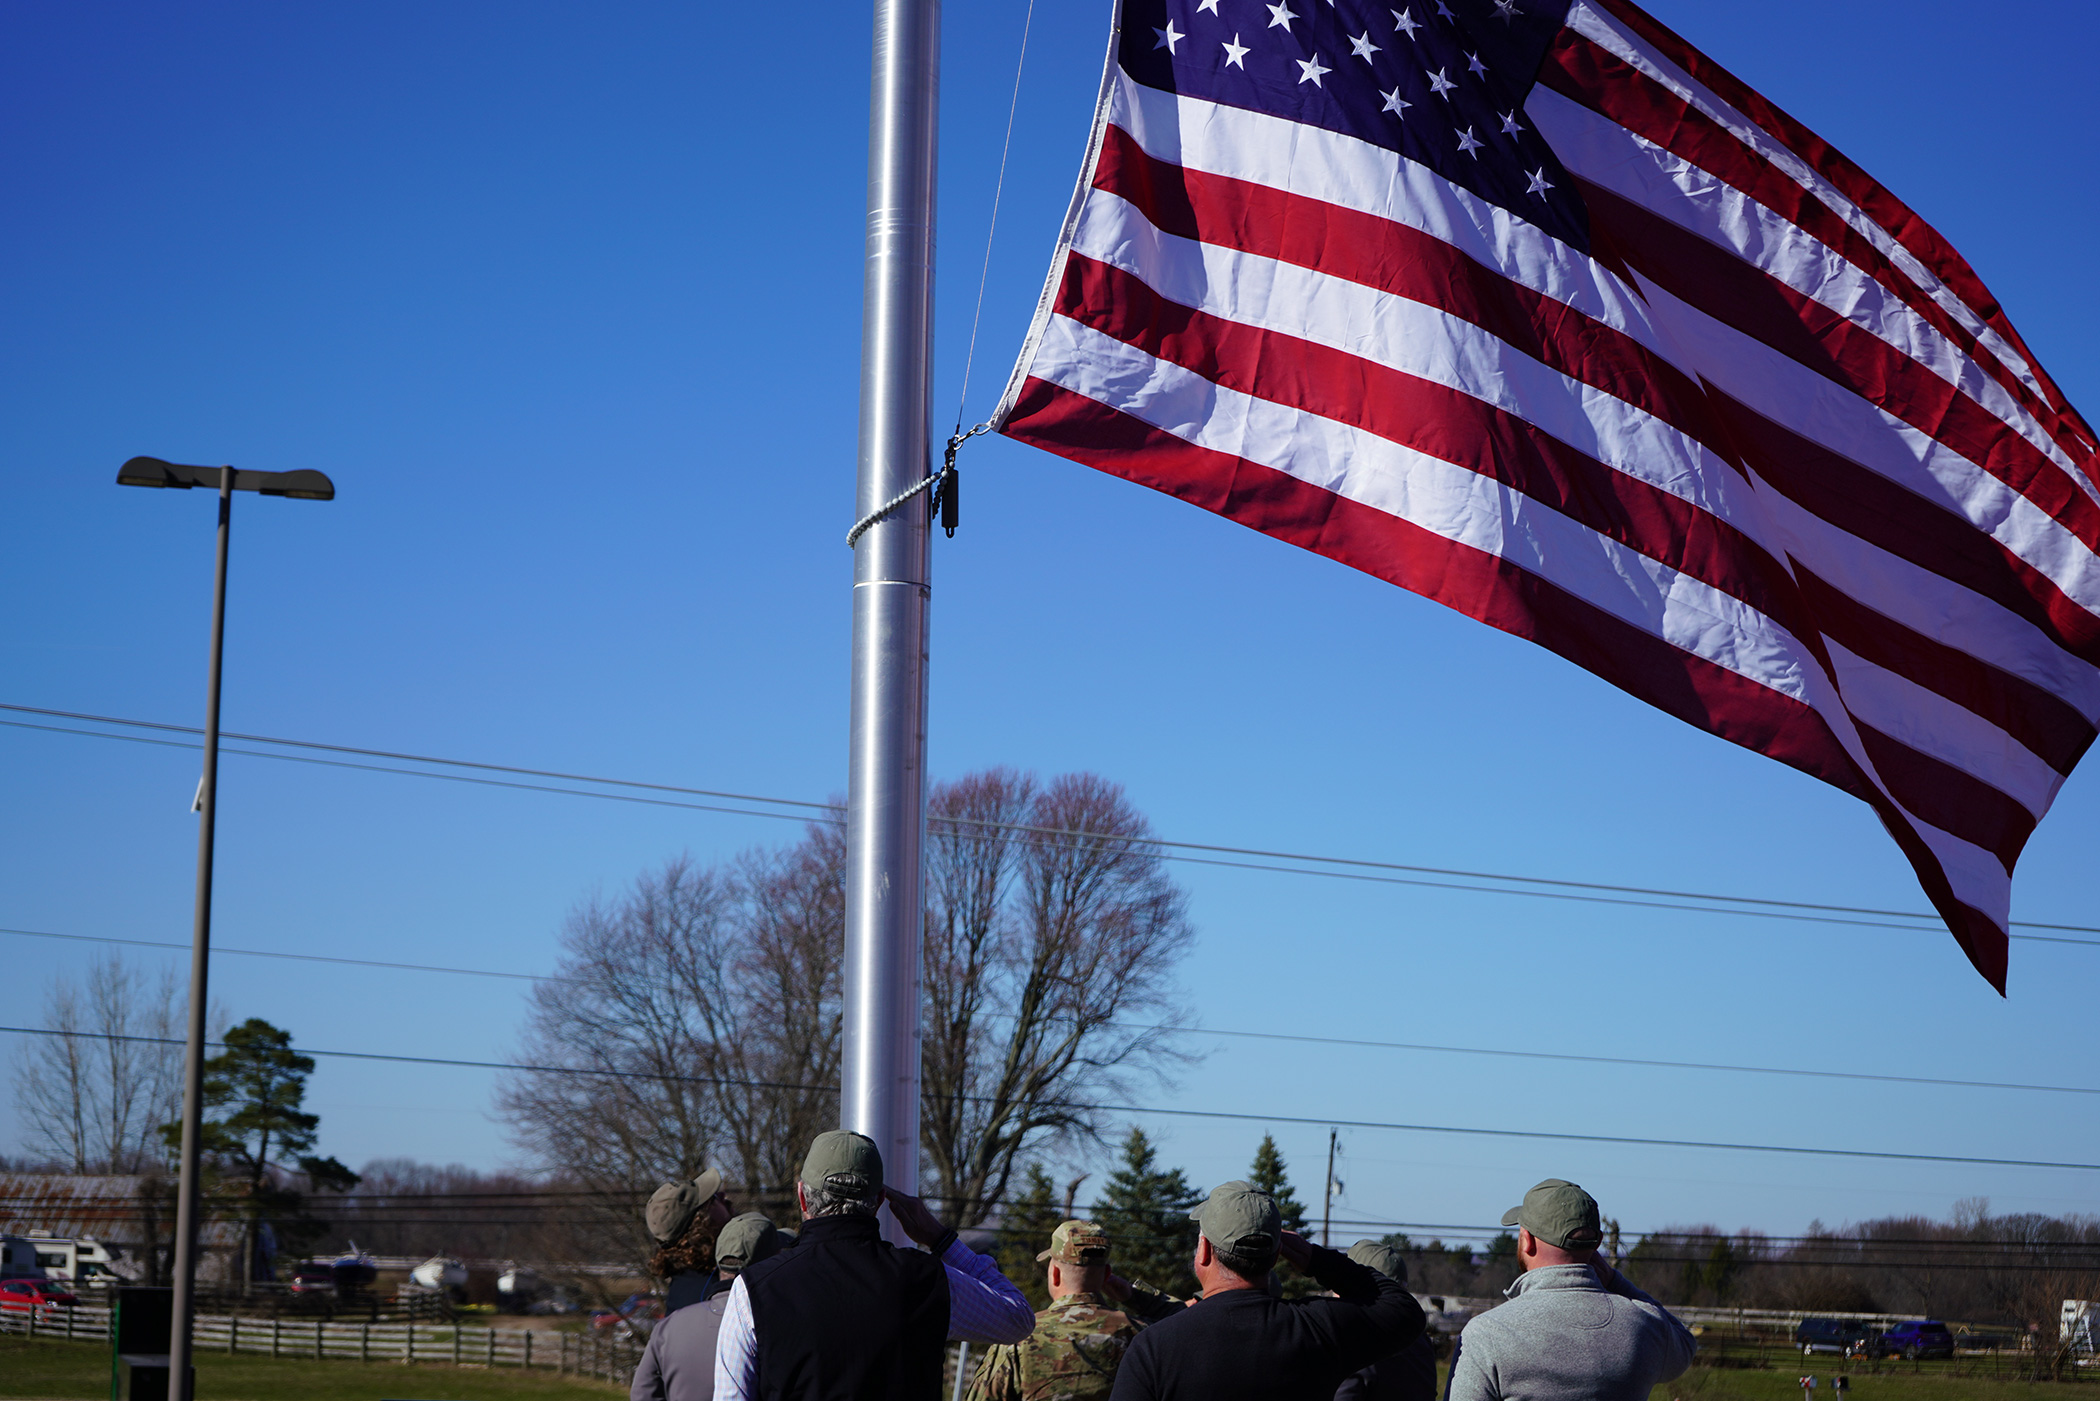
pixel 364 1345
pixel 561 1354
pixel 492 1347
pixel 459 1338
pixel 409 1348
pixel 528 1349
pixel 319 1324
pixel 233 1334
pixel 32 1322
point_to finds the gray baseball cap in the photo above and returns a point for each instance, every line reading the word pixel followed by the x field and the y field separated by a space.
pixel 745 1240
pixel 1240 1218
pixel 845 1162
pixel 1558 1213
pixel 1385 1259
pixel 673 1206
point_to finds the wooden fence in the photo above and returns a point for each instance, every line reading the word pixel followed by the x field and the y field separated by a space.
pixel 598 1355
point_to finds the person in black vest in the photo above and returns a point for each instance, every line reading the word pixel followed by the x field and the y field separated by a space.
pixel 845 1315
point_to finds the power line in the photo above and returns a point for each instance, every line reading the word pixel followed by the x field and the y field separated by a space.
pixel 1154 1109
pixel 1758 906
pixel 1177 1030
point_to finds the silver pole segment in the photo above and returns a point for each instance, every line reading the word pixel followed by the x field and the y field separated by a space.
pixel 186 1186
pixel 886 777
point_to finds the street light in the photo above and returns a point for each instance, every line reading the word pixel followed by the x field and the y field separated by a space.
pixel 305 486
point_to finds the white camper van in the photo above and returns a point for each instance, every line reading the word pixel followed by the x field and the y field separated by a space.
pixel 2081 1324
pixel 75 1259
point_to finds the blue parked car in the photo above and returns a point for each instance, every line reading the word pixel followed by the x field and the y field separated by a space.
pixel 1922 1338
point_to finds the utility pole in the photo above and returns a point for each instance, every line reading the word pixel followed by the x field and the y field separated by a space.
pixel 886 774
pixel 1327 1196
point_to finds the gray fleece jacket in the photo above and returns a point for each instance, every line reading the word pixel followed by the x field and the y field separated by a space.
pixel 1566 1336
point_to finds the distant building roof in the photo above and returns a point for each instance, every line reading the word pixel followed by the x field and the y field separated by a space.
pixel 112 1209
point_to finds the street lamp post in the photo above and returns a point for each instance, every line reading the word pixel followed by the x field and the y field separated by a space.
pixel 309 486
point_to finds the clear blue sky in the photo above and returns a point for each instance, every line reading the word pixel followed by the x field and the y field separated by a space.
pixel 568 302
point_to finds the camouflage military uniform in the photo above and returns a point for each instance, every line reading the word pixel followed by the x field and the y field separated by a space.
pixel 1072 1355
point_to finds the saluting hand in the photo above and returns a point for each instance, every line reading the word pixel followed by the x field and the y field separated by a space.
pixel 1294 1248
pixel 911 1213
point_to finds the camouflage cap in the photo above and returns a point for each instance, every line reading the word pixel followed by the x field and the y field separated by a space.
pixel 1241 1219
pixel 1381 1257
pixel 673 1206
pixel 745 1240
pixel 1560 1214
pixel 844 1162
pixel 1077 1243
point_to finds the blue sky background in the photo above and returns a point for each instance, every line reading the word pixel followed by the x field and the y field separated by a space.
pixel 567 300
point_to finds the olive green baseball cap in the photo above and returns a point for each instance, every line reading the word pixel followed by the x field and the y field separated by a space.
pixel 673 1206
pixel 1558 1213
pixel 1385 1259
pixel 745 1240
pixel 1077 1243
pixel 1241 1219
pixel 844 1162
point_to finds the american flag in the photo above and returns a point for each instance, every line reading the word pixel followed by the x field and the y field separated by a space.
pixel 1535 310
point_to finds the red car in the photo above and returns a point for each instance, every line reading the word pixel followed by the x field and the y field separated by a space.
pixel 38 1296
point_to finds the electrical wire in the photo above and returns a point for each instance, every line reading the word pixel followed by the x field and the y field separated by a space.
pixel 1150 1109
pixel 1176 1030
pixel 1553 888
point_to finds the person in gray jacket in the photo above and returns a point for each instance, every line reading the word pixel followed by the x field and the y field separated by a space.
pixel 679 1363
pixel 1574 1328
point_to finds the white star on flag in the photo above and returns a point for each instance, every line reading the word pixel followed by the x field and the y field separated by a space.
pixel 1468 144
pixel 1312 70
pixel 1281 14
pixel 1168 37
pixel 1235 53
pixel 1393 103
pixel 1439 84
pixel 1479 69
pixel 1510 125
pixel 1363 46
pixel 1208 5
pixel 1539 183
pixel 1406 22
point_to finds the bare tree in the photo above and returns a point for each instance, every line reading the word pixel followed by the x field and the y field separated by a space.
pixel 626 1028
pixel 694 1022
pixel 1052 933
pixel 91 1095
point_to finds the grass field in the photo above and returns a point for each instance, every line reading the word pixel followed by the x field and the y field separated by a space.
pixel 1731 1384
pixel 62 1371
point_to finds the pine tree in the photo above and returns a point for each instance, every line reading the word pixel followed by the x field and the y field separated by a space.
pixel 1024 1231
pixel 1145 1211
pixel 1269 1174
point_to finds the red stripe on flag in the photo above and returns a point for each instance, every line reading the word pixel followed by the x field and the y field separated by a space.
pixel 1902 222
pixel 1870 507
pixel 1433 419
pixel 1586 74
pixel 2037 719
pixel 1714 280
pixel 1406 262
pixel 1951 799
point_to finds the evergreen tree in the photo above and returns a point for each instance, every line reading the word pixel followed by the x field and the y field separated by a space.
pixel 1024 1231
pixel 1145 1211
pixel 1269 1174
pixel 252 1124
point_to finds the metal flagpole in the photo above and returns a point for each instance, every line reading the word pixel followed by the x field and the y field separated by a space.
pixel 886 778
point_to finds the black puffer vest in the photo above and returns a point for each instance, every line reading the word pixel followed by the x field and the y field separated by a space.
pixel 846 1316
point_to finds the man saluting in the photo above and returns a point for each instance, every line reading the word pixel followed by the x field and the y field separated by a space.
pixel 1080 1339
